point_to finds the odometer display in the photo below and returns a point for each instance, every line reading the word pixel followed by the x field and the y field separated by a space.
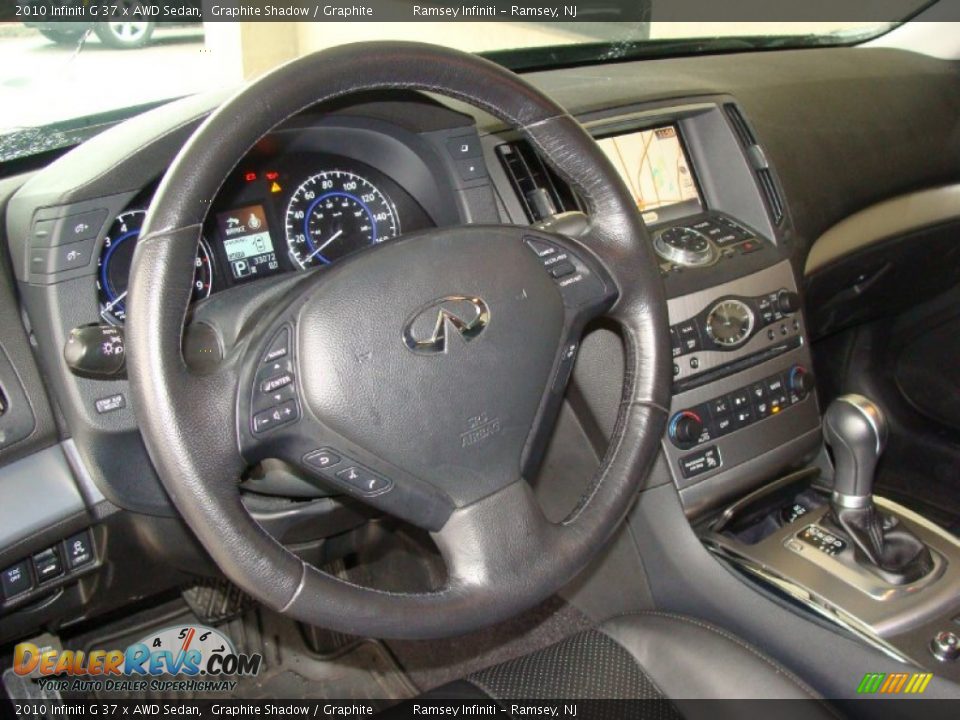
pixel 334 213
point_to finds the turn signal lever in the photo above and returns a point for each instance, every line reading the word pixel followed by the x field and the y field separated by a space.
pixel 856 431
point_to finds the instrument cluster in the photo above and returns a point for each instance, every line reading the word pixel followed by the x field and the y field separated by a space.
pixel 275 214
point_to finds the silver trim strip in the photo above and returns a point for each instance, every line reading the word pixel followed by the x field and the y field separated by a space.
pixel 887 219
pixel 38 492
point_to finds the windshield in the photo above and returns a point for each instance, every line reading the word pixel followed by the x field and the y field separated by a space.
pixel 56 68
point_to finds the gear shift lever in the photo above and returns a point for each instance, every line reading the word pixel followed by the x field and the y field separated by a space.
pixel 856 431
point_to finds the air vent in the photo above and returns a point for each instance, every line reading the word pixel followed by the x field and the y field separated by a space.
pixel 740 126
pixel 758 161
pixel 769 188
pixel 540 191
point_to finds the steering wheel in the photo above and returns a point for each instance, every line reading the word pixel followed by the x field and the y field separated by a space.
pixel 421 376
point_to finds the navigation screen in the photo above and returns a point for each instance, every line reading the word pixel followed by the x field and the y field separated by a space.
pixel 247 242
pixel 655 168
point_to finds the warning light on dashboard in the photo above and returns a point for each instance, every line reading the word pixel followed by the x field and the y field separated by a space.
pixel 275 188
pixel 250 176
pixel 272 175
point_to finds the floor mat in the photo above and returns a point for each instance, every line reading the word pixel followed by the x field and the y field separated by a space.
pixel 431 663
pixel 363 669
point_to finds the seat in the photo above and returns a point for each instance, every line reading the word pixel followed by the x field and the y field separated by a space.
pixel 647 656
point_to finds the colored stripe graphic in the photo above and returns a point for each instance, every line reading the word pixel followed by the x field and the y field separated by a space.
pixel 894 683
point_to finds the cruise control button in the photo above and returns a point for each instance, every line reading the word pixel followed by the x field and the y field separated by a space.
pixel 275 383
pixel 322 459
pixel 16 579
pixel 541 248
pixel 365 481
pixel 47 565
pixel 562 269
pixel 79 550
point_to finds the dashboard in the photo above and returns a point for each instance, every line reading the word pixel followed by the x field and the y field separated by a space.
pixel 718 152
pixel 281 210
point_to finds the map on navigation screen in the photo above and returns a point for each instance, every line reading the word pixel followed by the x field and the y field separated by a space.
pixel 655 168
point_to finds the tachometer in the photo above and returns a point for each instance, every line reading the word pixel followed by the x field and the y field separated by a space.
pixel 114 266
pixel 335 213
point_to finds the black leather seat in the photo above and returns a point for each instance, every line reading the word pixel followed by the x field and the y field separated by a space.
pixel 647 656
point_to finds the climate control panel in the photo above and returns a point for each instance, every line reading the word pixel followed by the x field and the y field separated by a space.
pixel 735 410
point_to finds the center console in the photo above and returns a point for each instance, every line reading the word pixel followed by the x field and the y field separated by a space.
pixel 745 437
pixel 743 407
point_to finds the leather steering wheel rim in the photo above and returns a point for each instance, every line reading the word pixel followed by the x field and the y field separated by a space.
pixel 505 556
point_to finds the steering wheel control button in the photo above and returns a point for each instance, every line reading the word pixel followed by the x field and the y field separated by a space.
pixel 541 248
pixel 364 481
pixel 703 461
pixel 47 565
pixel 16 579
pixel 276 416
pixel 945 646
pixel 79 550
pixel 322 459
pixel 275 383
pixel 279 348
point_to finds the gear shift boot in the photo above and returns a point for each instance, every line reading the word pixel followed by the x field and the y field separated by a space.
pixel 882 545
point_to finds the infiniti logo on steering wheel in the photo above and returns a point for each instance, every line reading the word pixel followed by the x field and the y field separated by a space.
pixel 426 331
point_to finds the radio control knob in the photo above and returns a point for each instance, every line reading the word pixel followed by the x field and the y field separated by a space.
pixel 800 381
pixel 685 428
pixel 788 302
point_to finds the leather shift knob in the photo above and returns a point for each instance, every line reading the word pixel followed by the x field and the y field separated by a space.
pixel 856 430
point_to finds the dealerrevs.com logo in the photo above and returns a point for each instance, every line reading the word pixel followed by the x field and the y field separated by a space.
pixel 202 655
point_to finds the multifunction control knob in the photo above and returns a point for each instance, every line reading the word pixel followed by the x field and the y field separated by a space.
pixel 800 381
pixel 685 427
pixel 788 302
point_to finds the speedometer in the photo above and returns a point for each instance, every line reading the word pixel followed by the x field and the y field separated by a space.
pixel 335 213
